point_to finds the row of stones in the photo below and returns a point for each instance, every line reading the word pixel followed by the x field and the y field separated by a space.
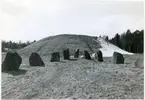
pixel 13 60
pixel 56 55
pixel 117 57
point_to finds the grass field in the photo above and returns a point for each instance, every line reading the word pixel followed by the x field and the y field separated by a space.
pixel 80 79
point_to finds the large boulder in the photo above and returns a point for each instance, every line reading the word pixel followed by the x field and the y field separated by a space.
pixel 118 58
pixel 100 56
pixel 139 62
pixel 35 60
pixel 87 55
pixel 76 55
pixel 12 62
pixel 66 54
pixel 55 56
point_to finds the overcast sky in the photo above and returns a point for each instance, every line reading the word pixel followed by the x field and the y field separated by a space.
pixel 35 19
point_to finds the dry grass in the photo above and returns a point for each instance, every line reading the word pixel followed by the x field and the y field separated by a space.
pixel 60 42
pixel 75 79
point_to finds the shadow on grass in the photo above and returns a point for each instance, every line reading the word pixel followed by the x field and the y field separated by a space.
pixel 128 63
pixel 62 61
pixel 73 59
pixel 38 66
pixel 17 72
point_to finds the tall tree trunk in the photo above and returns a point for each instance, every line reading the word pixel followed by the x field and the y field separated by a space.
pixel 129 48
pixel 137 48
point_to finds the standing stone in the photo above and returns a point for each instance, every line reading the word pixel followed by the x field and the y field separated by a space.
pixel 35 60
pixel 118 58
pixel 19 59
pixel 55 56
pixel 139 62
pixel 100 56
pixel 87 55
pixel 12 62
pixel 76 55
pixel 66 54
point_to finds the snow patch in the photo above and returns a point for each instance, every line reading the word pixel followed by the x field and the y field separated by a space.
pixel 108 49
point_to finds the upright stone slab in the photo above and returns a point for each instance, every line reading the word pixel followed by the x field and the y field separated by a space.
pixel 100 56
pixel 76 55
pixel 55 57
pixel 118 58
pixel 87 55
pixel 12 62
pixel 35 60
pixel 66 54
pixel 139 62
pixel 18 58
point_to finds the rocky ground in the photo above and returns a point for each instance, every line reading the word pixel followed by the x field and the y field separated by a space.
pixel 77 79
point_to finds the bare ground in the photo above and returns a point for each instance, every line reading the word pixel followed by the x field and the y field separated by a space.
pixel 77 79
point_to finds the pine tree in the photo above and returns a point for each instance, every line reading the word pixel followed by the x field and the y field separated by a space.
pixel 132 42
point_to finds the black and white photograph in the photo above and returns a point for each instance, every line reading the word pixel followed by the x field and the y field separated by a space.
pixel 72 49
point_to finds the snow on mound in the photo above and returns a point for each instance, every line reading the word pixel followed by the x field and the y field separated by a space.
pixel 108 49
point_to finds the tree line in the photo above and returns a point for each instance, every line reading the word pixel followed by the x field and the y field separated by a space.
pixel 129 41
pixel 14 45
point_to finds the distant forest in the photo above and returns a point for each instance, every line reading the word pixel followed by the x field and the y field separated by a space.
pixel 14 45
pixel 129 41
